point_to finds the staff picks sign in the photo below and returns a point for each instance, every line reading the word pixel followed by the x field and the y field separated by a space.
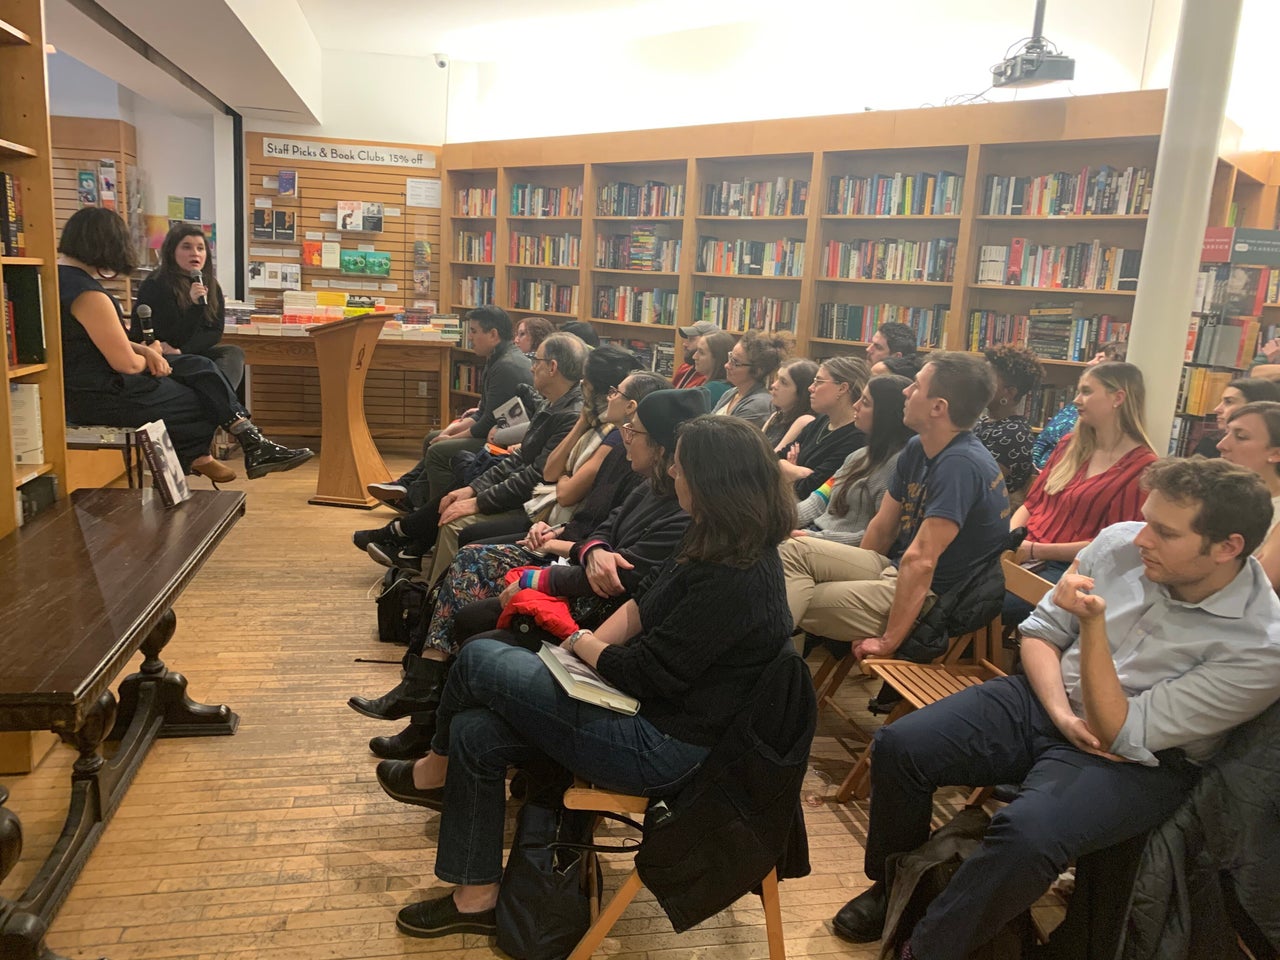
pixel 361 153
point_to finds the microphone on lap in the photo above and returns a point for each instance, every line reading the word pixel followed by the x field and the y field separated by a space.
pixel 198 277
pixel 144 321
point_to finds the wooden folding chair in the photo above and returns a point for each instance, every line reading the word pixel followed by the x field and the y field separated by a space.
pixel 582 796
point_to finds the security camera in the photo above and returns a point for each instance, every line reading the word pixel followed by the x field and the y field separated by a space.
pixel 442 60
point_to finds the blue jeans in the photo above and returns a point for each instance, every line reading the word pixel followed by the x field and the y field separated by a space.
pixel 1072 803
pixel 1015 608
pixel 501 707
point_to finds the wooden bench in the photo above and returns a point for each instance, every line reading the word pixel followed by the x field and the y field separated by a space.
pixel 87 584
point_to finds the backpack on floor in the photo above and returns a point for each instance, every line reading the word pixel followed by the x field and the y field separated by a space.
pixel 402 606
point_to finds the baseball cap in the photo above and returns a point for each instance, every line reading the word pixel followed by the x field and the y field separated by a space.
pixel 700 329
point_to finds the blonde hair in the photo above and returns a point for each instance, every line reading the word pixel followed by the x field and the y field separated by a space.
pixel 1112 376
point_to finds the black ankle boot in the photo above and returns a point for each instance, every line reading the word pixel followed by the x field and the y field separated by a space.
pixel 412 742
pixel 418 693
pixel 263 456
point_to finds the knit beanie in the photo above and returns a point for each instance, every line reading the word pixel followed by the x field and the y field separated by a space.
pixel 663 411
pixel 583 331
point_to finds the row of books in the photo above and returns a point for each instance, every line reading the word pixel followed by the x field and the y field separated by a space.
pixel 23 315
pixel 475 291
pixel 658 357
pixel 754 258
pixel 13 239
pixel 1187 434
pixel 859 322
pixel 466 376
pixel 475 202
pixel 1088 265
pixel 635 304
pixel 1231 289
pixel 1200 389
pixel 641 249
pixel 531 200
pixel 777 197
pixel 1273 287
pixel 1052 332
pixel 1218 341
pixel 474 246
pixel 1042 403
pixel 896 195
pixel 649 199
pixel 541 249
pixel 545 295
pixel 1098 192
pixel 739 314
pixel 890 259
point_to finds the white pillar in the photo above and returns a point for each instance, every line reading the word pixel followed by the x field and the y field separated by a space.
pixel 1180 202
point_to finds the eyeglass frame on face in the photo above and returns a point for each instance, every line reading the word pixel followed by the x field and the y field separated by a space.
pixel 617 392
pixel 819 381
pixel 533 358
pixel 629 432
pixel 735 362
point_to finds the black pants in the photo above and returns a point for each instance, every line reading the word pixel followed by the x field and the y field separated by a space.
pixel 1072 803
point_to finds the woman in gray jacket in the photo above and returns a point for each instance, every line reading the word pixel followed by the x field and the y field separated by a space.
pixel 751 365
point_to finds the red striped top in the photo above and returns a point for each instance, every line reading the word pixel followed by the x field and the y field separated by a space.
pixel 1086 504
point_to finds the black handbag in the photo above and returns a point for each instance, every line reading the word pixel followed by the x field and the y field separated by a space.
pixel 401 601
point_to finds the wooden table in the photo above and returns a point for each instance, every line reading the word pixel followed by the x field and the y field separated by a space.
pixel 87 584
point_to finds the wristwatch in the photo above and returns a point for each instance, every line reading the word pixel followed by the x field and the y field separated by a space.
pixel 573 639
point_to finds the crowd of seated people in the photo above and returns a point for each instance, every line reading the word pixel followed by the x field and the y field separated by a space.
pixel 693 529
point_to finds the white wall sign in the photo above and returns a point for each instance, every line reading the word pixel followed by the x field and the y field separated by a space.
pixel 421 192
pixel 361 153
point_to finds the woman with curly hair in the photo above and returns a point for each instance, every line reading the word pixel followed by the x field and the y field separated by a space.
pixel 750 366
pixel 1003 431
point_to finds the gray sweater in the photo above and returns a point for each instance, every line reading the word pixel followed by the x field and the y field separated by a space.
pixel 754 408
pixel 863 502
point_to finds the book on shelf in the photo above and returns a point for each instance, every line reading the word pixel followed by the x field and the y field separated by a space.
pixel 739 314
pixel 544 295
pixel 858 322
pixel 891 259
pixel 263 224
pixel 751 258
pixel 582 682
pixel 1051 331
pixel 473 246
pixel 1234 290
pixel 10 332
pixel 13 238
pixel 896 194
pixel 1200 389
pixel 475 202
pixel 635 304
pixel 166 469
pixel 287 183
pixel 544 250
pixel 466 376
pixel 750 197
pixel 312 253
pixel 1187 433
pixel 475 291
pixel 26 423
pixel 641 248
pixel 350 215
pixel 1101 191
pixel 284 225
pixel 1088 265
pixel 655 356
pixel 371 217
pixel 531 200
pixel 650 199
pixel 24 311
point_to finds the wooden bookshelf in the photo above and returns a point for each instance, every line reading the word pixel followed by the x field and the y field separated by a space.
pixel 25 152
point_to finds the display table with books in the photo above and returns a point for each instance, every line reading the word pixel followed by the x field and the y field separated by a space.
pixel 88 583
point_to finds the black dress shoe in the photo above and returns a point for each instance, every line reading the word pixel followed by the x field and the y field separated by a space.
pixel 396 779
pixel 412 742
pixel 418 692
pixel 861 920
pixel 441 917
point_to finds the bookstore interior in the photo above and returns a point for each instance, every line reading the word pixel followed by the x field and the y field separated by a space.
pixel 313 208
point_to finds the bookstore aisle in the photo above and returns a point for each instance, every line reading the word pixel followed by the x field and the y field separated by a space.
pixel 278 842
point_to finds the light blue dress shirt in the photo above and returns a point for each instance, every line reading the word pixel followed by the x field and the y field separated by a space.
pixel 1192 671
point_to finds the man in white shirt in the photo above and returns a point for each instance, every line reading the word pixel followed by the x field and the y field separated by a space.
pixel 1163 637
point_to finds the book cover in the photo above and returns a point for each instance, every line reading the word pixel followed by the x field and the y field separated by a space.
pixel 377 264
pixel 272 276
pixel 257 273
pixel 312 253
pixel 287 183
pixel 350 215
pixel 13 241
pixel 284 225
pixel 1245 289
pixel 330 258
pixel 107 183
pixel 191 209
pixel 291 276
pixel 166 469
pixel 583 683
pixel 371 217
pixel 263 225
pixel 87 188
pixel 351 261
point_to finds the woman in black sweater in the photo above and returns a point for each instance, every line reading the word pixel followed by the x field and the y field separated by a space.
pixel 824 444
pixel 187 306
pixel 690 647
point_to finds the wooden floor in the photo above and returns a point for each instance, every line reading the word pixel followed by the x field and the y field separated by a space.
pixel 277 842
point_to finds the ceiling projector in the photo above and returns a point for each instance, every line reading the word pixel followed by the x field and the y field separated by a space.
pixel 1038 61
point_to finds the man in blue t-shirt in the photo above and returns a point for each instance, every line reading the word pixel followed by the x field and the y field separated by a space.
pixel 946 513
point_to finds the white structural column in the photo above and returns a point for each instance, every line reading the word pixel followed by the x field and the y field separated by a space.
pixel 1180 202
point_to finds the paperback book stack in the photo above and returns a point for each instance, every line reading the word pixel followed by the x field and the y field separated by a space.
pixel 641 249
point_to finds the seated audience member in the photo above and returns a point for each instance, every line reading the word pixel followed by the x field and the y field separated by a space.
pixel 751 365
pixel 892 340
pixel 505 370
pixel 1164 638
pixel 945 515
pixel 1236 394
pixel 606 565
pixel 530 332
pixel 822 447
pixel 504 487
pixel 1002 430
pixel 841 508
pixel 1064 421
pixel 1252 441
pixel 1090 481
pixel 686 374
pixel 709 359
pixel 109 380
pixel 789 394
pixel 583 330
pixel 690 647
pixel 898 366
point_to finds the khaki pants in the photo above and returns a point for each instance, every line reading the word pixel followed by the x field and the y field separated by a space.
pixel 447 539
pixel 836 591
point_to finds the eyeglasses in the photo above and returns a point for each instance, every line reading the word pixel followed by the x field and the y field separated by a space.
pixel 630 433
pixel 534 358
pixel 616 392
pixel 818 381
pixel 735 362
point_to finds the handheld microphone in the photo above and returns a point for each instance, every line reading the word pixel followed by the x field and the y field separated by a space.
pixel 144 320
pixel 198 277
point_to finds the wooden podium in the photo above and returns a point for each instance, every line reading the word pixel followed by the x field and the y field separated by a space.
pixel 348 459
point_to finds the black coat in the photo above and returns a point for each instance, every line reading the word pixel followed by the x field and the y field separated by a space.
pixel 510 482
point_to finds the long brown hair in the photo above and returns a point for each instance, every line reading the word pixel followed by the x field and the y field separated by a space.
pixel 179 281
pixel 1112 376
pixel 887 438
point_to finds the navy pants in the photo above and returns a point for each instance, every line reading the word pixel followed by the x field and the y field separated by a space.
pixel 1071 803
pixel 1015 608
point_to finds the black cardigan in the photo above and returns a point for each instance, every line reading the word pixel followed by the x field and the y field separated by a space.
pixel 824 452
pixel 184 327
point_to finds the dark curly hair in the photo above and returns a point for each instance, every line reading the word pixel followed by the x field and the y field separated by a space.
pixel 1232 499
pixel 765 353
pixel 1016 367
pixel 99 238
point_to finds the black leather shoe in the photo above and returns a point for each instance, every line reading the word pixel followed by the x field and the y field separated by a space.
pixel 396 779
pixel 412 742
pixel 861 920
pixel 263 456
pixel 418 692
pixel 441 917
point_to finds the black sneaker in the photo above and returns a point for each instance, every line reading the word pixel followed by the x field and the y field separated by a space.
pixel 396 553
pixel 362 538
pixel 394 495
pixel 441 917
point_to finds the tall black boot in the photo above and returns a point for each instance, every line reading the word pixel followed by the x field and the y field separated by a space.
pixel 418 693
pixel 263 456
pixel 412 742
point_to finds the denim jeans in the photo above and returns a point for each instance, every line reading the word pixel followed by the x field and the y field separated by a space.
pixel 501 707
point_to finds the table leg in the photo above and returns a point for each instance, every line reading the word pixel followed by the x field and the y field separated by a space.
pixel 167 704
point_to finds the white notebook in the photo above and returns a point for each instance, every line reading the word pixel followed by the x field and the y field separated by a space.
pixel 581 682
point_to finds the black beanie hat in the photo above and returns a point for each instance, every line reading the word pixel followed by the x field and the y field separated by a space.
pixel 583 331
pixel 663 411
